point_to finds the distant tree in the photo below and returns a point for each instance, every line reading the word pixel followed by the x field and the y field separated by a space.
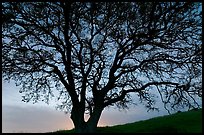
pixel 96 54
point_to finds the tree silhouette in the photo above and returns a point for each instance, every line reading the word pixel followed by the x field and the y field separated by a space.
pixel 96 54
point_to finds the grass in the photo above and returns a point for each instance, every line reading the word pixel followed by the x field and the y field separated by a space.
pixel 183 122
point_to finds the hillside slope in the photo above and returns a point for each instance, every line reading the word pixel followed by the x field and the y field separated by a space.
pixel 183 122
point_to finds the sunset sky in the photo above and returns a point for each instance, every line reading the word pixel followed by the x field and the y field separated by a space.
pixel 18 116
pixel 21 117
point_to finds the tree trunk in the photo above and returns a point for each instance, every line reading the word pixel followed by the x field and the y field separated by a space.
pixel 80 125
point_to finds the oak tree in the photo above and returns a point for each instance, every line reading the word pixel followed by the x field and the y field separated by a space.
pixel 95 54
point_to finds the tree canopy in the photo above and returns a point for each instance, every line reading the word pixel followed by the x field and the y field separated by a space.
pixel 95 54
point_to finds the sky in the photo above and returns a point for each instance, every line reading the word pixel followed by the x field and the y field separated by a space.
pixel 18 116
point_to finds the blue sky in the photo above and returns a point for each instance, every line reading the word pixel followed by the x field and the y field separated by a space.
pixel 18 116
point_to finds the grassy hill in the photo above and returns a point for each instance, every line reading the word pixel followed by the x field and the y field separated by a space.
pixel 183 122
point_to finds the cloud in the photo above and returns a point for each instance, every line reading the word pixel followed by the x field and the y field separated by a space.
pixel 111 116
pixel 18 116
pixel 33 119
